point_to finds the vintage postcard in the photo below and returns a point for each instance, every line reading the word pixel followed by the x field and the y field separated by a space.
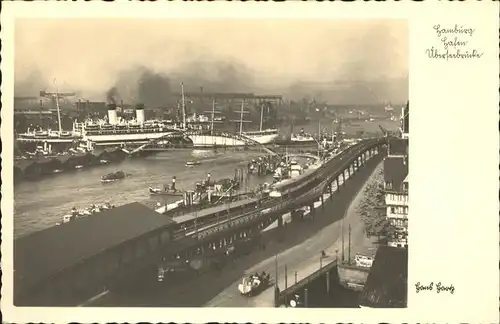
pixel 190 161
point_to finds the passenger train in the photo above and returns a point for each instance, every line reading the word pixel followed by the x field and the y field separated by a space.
pixel 290 187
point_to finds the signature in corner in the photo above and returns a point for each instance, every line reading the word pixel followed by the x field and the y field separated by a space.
pixel 439 287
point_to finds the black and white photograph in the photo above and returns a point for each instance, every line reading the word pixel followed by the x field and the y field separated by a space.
pixel 229 162
pixel 211 163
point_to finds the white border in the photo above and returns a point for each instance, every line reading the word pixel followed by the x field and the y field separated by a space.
pixel 453 148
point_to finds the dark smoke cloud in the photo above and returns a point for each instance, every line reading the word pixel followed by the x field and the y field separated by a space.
pixel 153 89
pixel 157 89
pixel 112 95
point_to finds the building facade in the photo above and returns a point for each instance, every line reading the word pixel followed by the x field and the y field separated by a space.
pixel 396 184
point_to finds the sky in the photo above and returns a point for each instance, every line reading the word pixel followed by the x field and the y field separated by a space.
pixel 291 57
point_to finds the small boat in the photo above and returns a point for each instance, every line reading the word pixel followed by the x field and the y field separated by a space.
pixel 192 163
pixel 77 214
pixel 165 192
pixel 104 161
pixel 57 171
pixel 79 167
pixel 114 176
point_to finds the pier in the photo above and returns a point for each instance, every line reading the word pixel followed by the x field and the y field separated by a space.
pixel 135 238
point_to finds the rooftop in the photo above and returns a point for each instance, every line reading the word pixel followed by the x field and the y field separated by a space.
pixel 387 282
pixel 42 254
pixel 395 171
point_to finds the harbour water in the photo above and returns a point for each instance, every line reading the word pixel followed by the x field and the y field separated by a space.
pixel 41 204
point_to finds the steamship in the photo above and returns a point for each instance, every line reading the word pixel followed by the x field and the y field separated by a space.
pixel 115 131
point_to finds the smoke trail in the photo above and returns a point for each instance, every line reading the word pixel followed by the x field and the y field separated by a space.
pixel 111 95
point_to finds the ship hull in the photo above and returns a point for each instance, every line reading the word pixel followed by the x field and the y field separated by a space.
pixel 222 141
pixel 302 141
pixel 125 138
pixel 198 140
pixel 215 140
pixel 264 139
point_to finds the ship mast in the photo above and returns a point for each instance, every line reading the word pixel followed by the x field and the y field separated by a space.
pixel 183 107
pixel 241 121
pixel 213 116
pixel 212 112
pixel 319 136
pixel 241 116
pixel 261 115
pixel 58 109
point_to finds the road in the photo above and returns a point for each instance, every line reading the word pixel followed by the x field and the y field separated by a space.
pixel 303 258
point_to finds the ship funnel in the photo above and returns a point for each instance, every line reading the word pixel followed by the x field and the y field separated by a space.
pixel 139 113
pixel 112 119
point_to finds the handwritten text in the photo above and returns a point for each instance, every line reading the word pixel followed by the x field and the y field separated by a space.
pixel 454 43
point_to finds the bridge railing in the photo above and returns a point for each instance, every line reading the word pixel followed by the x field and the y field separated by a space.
pixel 283 295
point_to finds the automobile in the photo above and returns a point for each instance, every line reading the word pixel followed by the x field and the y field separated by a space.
pixel 254 284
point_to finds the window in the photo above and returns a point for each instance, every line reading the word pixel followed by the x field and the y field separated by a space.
pixel 388 185
pixel 405 186
pixel 393 210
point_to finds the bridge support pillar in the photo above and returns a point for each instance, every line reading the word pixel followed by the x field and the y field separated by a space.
pixel 322 202
pixel 330 187
pixel 311 208
pixel 276 296
pixel 328 283
pixel 280 228
pixel 338 183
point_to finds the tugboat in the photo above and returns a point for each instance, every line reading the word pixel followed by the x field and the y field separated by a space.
pixel 167 190
pixel 114 176
pixel 192 163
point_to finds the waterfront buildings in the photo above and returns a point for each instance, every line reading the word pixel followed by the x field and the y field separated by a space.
pixel 396 184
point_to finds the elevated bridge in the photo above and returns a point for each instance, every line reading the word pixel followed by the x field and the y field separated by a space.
pixel 200 139
pixel 124 257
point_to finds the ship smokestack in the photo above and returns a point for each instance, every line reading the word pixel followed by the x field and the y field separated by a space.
pixel 139 113
pixel 112 119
